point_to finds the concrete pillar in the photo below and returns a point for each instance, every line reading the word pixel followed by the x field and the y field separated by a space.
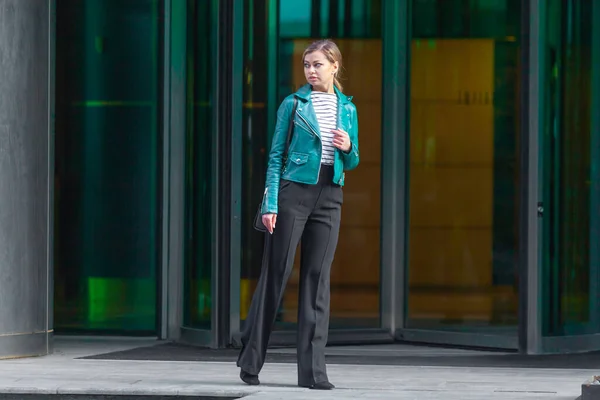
pixel 26 159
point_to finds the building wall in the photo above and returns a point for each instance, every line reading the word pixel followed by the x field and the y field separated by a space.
pixel 25 178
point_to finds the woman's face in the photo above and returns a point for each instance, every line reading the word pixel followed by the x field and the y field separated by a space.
pixel 319 72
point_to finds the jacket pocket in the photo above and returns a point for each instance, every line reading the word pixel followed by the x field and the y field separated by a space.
pixel 298 158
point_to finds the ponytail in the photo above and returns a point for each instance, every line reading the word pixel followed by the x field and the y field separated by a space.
pixel 336 82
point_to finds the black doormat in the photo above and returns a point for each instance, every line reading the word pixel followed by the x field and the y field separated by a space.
pixel 180 352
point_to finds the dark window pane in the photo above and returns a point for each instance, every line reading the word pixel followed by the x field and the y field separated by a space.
pixel 572 181
pixel 107 164
pixel 464 172
pixel 200 76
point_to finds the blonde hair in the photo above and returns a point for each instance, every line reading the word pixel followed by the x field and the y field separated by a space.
pixel 333 54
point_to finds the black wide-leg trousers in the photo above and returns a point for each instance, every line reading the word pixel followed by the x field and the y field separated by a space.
pixel 310 213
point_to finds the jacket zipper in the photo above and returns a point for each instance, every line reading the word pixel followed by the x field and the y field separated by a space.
pixel 321 151
pixel 265 195
pixel 339 123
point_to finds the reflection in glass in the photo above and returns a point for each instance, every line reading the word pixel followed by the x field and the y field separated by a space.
pixel 107 147
pixel 197 289
pixel 356 28
pixel 571 155
pixel 256 85
pixel 464 129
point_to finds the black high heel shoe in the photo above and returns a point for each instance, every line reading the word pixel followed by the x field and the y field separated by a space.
pixel 325 385
pixel 249 378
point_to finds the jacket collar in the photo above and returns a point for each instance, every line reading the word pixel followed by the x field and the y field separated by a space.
pixel 304 94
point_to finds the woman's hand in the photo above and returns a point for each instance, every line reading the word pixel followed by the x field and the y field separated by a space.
pixel 268 221
pixel 341 140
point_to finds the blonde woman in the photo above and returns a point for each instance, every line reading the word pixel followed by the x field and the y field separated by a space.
pixel 303 201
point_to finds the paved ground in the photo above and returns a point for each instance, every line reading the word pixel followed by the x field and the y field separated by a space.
pixel 63 373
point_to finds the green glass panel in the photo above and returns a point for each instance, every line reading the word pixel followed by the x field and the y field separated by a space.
pixel 463 166
pixel 200 75
pixel 571 154
pixel 466 19
pixel 256 87
pixel 107 127
pixel 294 17
pixel 356 26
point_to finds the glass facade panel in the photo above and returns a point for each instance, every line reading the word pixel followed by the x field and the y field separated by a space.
pixel 256 86
pixel 463 160
pixel 108 80
pixel 463 166
pixel 199 117
pixel 356 28
pixel 571 154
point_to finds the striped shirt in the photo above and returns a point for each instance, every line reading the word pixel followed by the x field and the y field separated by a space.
pixel 325 105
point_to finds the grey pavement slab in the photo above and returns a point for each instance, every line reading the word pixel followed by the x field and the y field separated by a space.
pixel 63 373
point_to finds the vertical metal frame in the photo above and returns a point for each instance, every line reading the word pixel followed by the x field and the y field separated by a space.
pixel 595 172
pixel 215 184
pixel 395 131
pixel 216 44
pixel 173 218
pixel 272 56
pixel 530 262
pixel 226 170
pixel 51 158
pixel 525 188
pixel 163 329
pixel 237 77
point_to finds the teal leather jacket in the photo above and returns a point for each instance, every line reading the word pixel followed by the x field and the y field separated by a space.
pixel 304 154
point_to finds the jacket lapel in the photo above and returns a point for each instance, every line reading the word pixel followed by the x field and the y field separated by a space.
pixel 306 109
pixel 342 120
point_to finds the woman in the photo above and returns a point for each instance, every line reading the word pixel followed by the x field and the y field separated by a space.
pixel 303 201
